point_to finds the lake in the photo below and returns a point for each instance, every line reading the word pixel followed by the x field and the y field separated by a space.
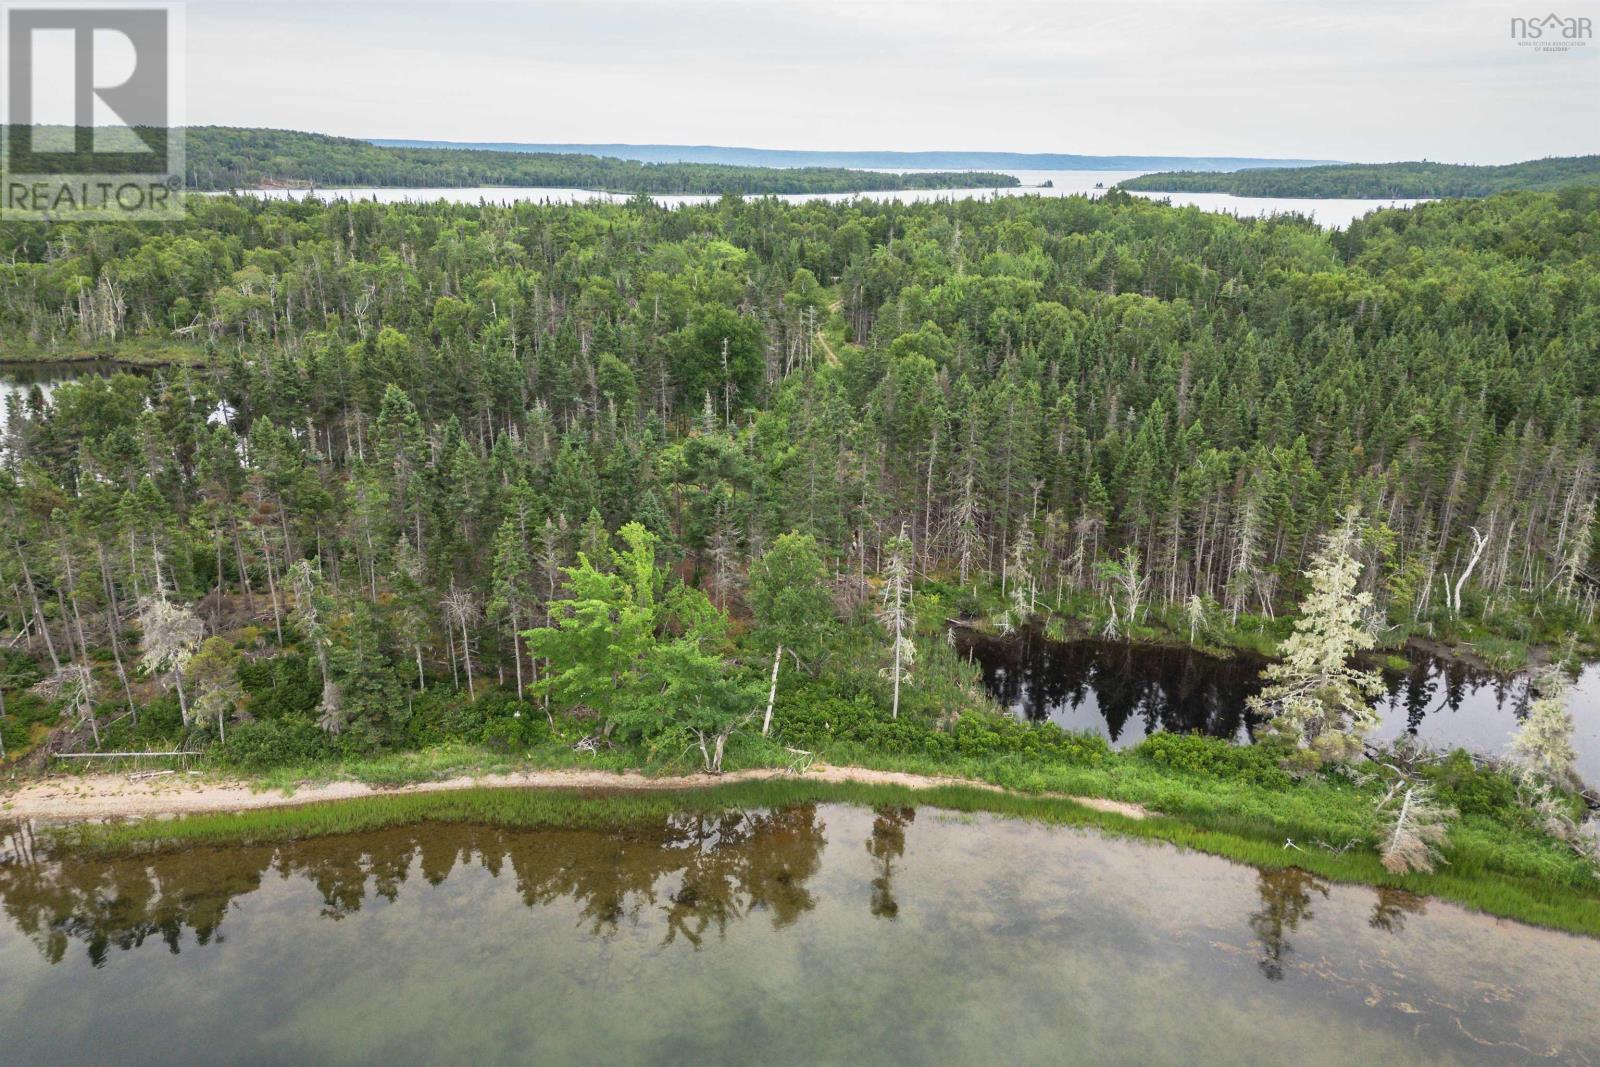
pixel 1092 183
pixel 1125 692
pixel 812 934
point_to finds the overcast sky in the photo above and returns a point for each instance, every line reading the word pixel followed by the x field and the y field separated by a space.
pixel 1359 80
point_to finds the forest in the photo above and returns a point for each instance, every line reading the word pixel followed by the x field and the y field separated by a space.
pixel 408 443
pixel 225 157
pixel 1381 181
pixel 622 485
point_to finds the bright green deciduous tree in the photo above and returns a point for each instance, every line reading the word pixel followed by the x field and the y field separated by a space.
pixel 642 654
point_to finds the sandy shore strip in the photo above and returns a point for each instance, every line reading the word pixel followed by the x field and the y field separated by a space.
pixel 115 796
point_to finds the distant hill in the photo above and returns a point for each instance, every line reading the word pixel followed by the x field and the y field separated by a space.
pixel 1380 181
pixel 225 157
pixel 778 157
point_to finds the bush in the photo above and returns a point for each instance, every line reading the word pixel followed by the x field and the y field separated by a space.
pixel 23 710
pixel 1474 790
pixel 1214 757
pixel 513 725
pixel 268 743
pixel 281 686
pixel 503 735
pixel 814 720
pixel 160 720
pixel 437 716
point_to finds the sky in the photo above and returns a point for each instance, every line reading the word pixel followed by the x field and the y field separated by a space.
pixel 1359 80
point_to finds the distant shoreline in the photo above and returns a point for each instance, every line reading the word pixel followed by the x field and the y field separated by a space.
pixel 941 159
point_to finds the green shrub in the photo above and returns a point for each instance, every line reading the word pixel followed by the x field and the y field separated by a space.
pixel 18 671
pixel 1215 757
pixel 268 743
pixel 813 719
pixel 160 720
pixel 23 710
pixel 1474 790
pixel 511 724
pixel 503 735
pixel 281 686
pixel 436 716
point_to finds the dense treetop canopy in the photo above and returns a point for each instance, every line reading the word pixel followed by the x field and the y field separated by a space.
pixel 410 420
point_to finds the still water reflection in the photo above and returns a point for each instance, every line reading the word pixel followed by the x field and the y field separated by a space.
pixel 811 934
pixel 1125 692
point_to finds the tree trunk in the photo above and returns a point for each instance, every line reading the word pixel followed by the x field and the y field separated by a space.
pixel 216 609
pixel 894 712
pixel 244 574
pixel 272 586
pixel 772 692
pixel 38 613
pixel 516 654
pixel 183 700
pixel 1479 542
pixel 112 627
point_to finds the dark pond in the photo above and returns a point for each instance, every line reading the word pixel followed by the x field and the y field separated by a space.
pixel 1125 692
pixel 815 934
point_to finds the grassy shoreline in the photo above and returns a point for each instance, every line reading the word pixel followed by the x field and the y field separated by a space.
pixel 1241 823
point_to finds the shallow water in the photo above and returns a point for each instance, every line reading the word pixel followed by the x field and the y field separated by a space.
pixel 1125 692
pixel 813 934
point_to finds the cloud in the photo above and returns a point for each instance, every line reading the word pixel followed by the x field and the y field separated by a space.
pixel 1353 80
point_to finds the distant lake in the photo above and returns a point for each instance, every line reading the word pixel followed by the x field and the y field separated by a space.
pixel 1091 183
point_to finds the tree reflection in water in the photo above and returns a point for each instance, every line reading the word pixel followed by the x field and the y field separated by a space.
pixel 887 844
pixel 1126 691
pixel 1285 904
pixel 692 873
pixel 1136 689
pixel 1392 906
pixel 1286 898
